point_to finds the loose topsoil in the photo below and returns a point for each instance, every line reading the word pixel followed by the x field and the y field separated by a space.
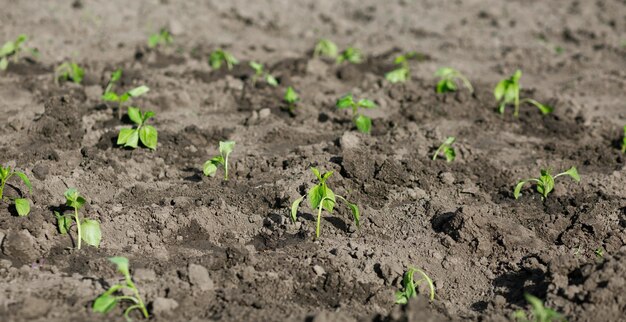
pixel 205 249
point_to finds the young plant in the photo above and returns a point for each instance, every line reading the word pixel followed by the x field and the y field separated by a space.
pixel 351 55
pixel 362 122
pixel 69 71
pixel 88 230
pixel 402 73
pixel 447 149
pixel 220 57
pixel 147 134
pixel 325 48
pixel 291 98
pixel 448 80
pixel 161 38
pixel 22 205
pixel 539 313
pixel 11 49
pixel 507 92
pixel 210 167
pixel 545 182
pixel 110 96
pixel 411 287
pixel 321 197
pixel 624 141
pixel 259 72
pixel 108 300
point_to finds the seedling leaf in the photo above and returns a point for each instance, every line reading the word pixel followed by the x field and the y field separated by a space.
pixel 345 102
pixel 110 96
pixel 209 169
pixel 22 205
pixel 365 103
pixel 138 91
pixel 104 303
pixel 398 75
pixel 121 263
pixel 25 179
pixel 326 48
pixel 226 147
pixel 91 232
pixel 63 223
pixel 363 123
pixel 134 115
pixel 148 136
pixel 518 189
pixel 294 208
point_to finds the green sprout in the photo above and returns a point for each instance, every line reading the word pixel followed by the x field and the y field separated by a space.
pixel 321 197
pixel 545 183
pixel 411 287
pixel 539 313
pixel 624 141
pixel 147 134
pixel 402 73
pixel 447 149
pixel 259 72
pixel 325 48
pixel 362 122
pixel 69 71
pixel 108 300
pixel 88 230
pixel 599 252
pixel 161 38
pixel 210 167
pixel 291 98
pixel 11 49
pixel 351 55
pixel 110 96
pixel 448 77
pixel 22 205
pixel 507 92
pixel 220 57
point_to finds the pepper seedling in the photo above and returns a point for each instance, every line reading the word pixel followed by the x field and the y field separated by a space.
pixel 210 166
pixel 108 300
pixel 447 149
pixel 22 205
pixel 259 72
pixel 220 57
pixel 545 182
pixel 448 80
pixel 11 49
pixel 326 48
pixel 539 313
pixel 362 122
pixel 161 38
pixel 110 96
pixel 507 92
pixel 147 134
pixel 351 55
pixel 88 230
pixel 624 141
pixel 321 197
pixel 69 71
pixel 291 98
pixel 402 73
pixel 411 287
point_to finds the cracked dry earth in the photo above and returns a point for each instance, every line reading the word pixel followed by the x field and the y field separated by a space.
pixel 204 249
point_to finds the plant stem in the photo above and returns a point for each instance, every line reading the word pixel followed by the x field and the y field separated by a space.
pixel 319 218
pixel 2 189
pixel 226 169
pixel 140 302
pixel 77 227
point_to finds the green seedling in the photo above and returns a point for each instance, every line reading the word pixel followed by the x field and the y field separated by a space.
pixel 162 38
pixel 291 98
pixel 624 141
pixel 448 78
pixel 362 122
pixel 447 149
pixel 402 73
pixel 351 55
pixel 210 167
pixel 538 312
pixel 220 57
pixel 108 300
pixel 88 230
pixel 507 92
pixel 411 287
pixel 321 197
pixel 11 49
pixel 259 72
pixel 545 182
pixel 110 96
pixel 147 134
pixel 69 71
pixel 599 252
pixel 22 205
pixel 325 48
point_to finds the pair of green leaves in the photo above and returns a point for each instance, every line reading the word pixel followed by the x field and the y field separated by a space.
pixel 362 122
pixel 410 286
pixel 259 72
pixel 147 134
pixel 402 73
pixel 210 166
pixel 321 197
pixel 545 182
pixel 220 57
pixel 447 149
pixel 88 230
pixel 291 98
pixel 135 92
pixel 70 71
pixel 22 205
pixel 325 48
pixel 507 92
pixel 448 77
pixel 539 312
pixel 162 38
pixel 108 300
pixel 11 48
pixel 351 55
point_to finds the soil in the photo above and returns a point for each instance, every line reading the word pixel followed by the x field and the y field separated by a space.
pixel 206 249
